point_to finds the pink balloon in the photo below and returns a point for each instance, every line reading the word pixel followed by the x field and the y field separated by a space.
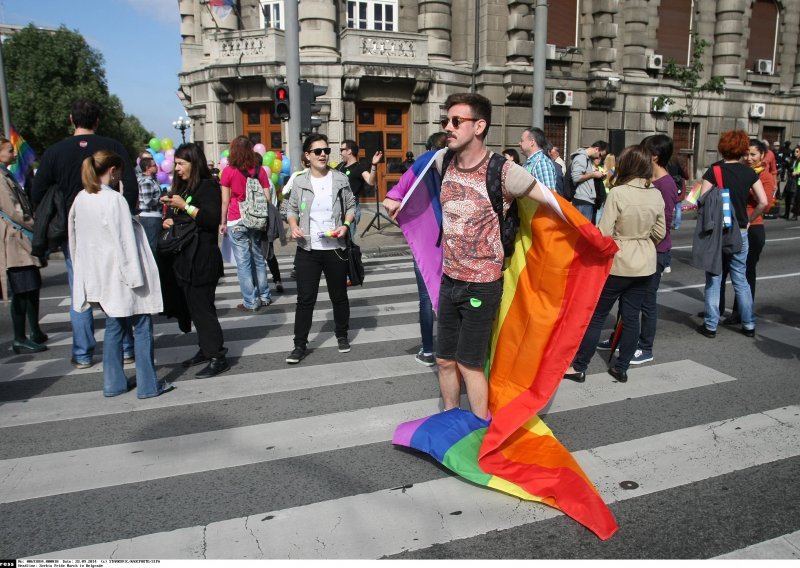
pixel 260 148
pixel 162 177
pixel 167 165
pixel 223 163
pixel 170 154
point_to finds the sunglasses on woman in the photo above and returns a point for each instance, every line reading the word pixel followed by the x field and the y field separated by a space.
pixel 456 120
pixel 319 151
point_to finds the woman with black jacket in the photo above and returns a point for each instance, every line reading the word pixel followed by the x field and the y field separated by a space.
pixel 196 198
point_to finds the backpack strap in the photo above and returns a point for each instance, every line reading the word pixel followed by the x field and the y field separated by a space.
pixel 494 184
pixel 718 176
pixel 448 157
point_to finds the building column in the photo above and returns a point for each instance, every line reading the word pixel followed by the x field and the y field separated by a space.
pixel 729 42
pixel 640 25
pixel 317 31
pixel 520 23
pixel 602 33
pixel 436 21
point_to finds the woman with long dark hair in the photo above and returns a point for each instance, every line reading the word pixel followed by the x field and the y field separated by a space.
pixel 195 197
pixel 251 268
pixel 320 212
pixel 634 217
pixel 115 269
pixel 20 279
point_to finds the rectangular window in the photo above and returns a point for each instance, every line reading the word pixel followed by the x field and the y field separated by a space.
pixel 272 14
pixel 562 23
pixel 372 14
pixel 674 25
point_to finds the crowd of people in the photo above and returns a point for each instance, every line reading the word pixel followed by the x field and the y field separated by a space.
pixel 134 249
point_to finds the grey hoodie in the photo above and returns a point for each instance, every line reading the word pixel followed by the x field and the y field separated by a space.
pixel 581 165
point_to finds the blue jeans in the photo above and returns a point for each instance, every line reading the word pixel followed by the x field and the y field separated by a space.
pixel 737 268
pixel 586 210
pixel 83 342
pixel 114 380
pixel 152 229
pixel 251 267
pixel 425 313
pixel 647 335
pixel 676 220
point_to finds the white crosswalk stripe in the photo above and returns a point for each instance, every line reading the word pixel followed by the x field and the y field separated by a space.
pixel 277 461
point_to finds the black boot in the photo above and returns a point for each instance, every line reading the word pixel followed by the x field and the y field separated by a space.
pixel 216 366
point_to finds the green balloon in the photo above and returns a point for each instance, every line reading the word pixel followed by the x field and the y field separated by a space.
pixel 274 178
pixel 225 153
pixel 155 144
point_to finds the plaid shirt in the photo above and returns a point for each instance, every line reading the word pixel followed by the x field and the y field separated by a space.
pixel 542 168
pixel 149 195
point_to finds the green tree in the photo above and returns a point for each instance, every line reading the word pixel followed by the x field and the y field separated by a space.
pixel 690 81
pixel 45 72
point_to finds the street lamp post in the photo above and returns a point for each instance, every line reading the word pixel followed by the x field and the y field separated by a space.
pixel 183 123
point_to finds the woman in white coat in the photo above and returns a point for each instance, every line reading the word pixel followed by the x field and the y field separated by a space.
pixel 114 269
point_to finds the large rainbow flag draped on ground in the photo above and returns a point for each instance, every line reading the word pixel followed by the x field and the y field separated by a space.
pixel 25 157
pixel 551 286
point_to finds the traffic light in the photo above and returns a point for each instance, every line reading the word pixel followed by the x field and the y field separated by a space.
pixel 309 106
pixel 282 102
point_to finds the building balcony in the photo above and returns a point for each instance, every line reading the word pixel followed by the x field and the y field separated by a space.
pixel 372 47
pixel 246 47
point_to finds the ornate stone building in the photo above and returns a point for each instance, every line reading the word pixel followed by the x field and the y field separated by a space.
pixel 390 64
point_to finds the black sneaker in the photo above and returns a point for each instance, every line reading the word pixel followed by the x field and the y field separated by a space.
pixel 344 345
pixel 279 287
pixel 296 355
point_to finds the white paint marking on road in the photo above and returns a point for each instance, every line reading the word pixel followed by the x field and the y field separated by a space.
pixel 234 288
pixel 41 368
pixel 784 547
pixel 688 247
pixel 269 318
pixel 93 468
pixel 759 278
pixel 197 391
pixel 417 516
pixel 352 293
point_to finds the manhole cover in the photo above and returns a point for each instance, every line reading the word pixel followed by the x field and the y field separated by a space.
pixel 629 485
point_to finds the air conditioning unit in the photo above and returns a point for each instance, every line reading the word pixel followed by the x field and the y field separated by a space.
pixel 758 110
pixel 550 52
pixel 663 108
pixel 655 61
pixel 764 66
pixel 562 98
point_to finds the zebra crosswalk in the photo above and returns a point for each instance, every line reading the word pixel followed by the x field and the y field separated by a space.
pixel 275 461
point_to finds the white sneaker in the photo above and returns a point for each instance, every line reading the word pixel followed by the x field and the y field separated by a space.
pixel 667 270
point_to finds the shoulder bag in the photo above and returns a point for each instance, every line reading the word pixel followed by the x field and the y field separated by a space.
pixel 177 237
pixel 355 267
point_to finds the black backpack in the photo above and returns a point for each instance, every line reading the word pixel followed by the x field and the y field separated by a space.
pixel 509 225
pixel 569 187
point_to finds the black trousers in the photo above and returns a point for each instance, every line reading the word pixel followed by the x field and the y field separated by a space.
pixel 309 267
pixel 200 301
pixel 631 291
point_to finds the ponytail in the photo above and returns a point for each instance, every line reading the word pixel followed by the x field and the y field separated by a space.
pixel 97 165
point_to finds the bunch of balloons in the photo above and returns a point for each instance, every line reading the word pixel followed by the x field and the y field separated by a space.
pixel 278 164
pixel 164 155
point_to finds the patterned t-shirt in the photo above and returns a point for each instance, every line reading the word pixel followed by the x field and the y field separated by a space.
pixel 471 245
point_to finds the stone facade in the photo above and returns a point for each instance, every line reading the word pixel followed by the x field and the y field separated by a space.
pixel 439 47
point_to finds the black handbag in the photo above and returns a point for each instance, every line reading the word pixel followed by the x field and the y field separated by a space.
pixel 177 237
pixel 355 267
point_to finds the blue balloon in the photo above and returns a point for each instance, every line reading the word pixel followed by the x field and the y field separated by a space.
pixel 159 157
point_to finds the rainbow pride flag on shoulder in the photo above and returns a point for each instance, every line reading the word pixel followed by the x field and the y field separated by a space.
pixel 551 286
pixel 25 157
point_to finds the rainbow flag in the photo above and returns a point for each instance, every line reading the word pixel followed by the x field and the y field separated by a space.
pixel 25 157
pixel 551 286
pixel 693 195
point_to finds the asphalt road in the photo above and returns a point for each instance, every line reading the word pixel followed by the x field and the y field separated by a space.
pixel 272 461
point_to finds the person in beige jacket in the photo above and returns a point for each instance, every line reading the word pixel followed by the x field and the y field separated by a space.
pixel 19 270
pixel 634 218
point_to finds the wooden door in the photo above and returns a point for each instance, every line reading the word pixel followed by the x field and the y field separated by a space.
pixel 261 126
pixel 384 127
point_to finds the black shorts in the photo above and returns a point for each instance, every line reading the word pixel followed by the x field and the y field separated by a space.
pixel 466 313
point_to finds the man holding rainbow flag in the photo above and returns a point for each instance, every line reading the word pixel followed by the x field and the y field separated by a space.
pixel 520 325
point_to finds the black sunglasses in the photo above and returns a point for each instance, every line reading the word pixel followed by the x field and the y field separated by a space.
pixel 456 120
pixel 319 151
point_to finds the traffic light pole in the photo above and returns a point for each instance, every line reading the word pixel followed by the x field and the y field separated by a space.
pixel 292 36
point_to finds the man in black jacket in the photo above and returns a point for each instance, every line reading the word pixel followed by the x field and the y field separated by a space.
pixel 61 165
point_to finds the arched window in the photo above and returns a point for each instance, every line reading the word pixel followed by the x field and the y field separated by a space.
pixel 562 23
pixel 673 33
pixel 763 33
